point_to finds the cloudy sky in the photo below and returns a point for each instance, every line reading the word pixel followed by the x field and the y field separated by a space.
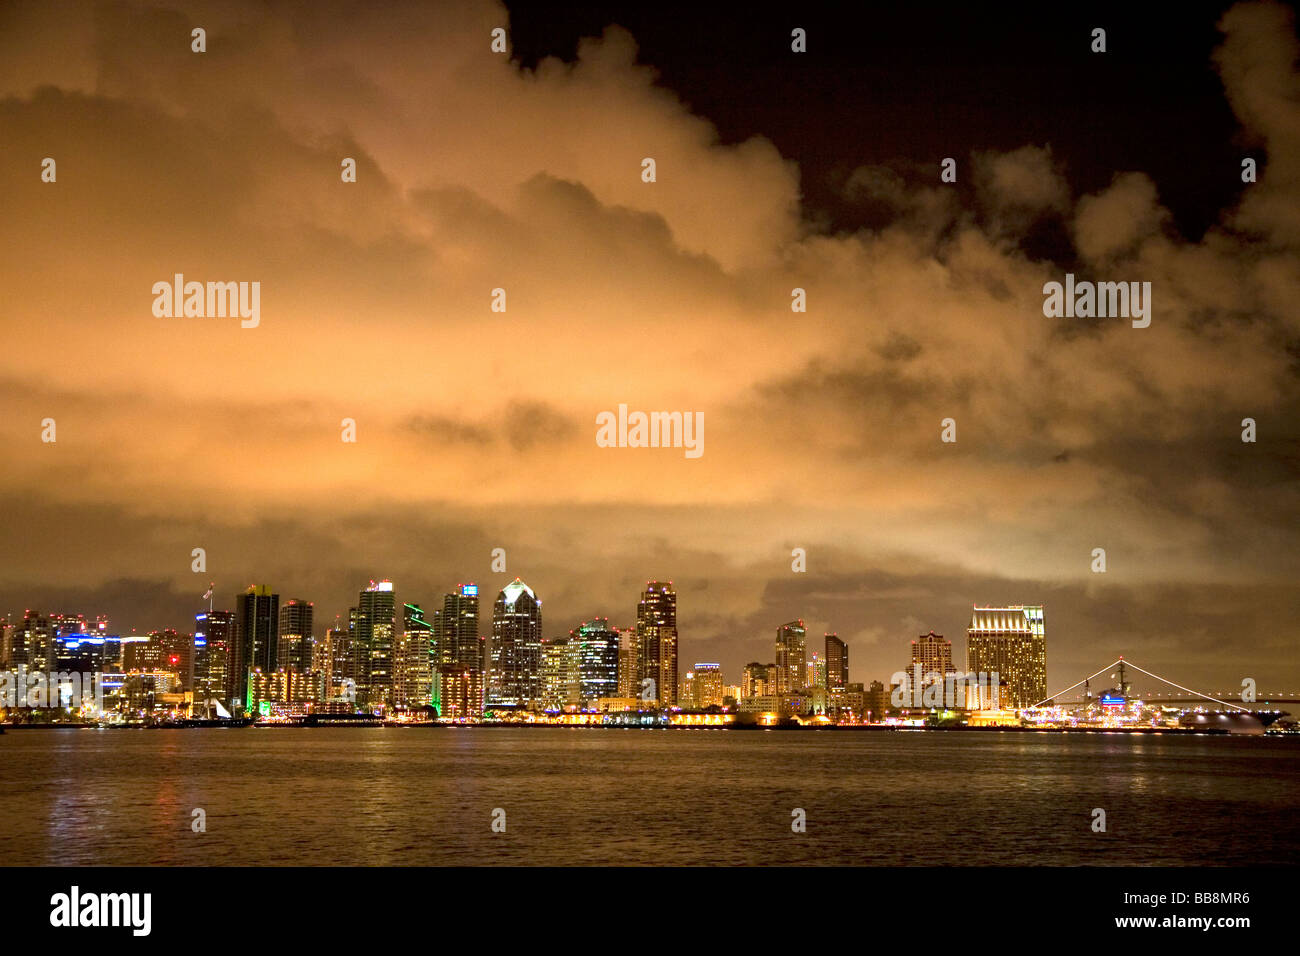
pixel 775 170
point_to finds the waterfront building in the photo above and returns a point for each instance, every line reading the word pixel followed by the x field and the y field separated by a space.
pixel 597 647
pixel 708 688
pixel 876 701
pixel 294 642
pixel 515 649
pixel 374 639
pixel 837 662
pixel 627 675
pixel 816 676
pixel 413 674
pixel 1011 642
pixel 656 642
pixel 932 654
pixel 213 637
pixel 791 658
pixel 561 673
pixel 758 680
pixel 256 642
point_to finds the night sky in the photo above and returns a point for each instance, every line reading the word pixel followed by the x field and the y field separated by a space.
pixel 775 170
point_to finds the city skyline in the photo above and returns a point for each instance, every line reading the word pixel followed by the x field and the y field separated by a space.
pixel 445 604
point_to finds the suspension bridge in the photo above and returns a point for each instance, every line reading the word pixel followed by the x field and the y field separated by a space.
pixel 1259 701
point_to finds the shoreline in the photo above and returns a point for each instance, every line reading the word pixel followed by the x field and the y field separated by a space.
pixel 866 728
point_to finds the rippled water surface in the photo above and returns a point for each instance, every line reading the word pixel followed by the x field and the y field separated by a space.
pixel 380 796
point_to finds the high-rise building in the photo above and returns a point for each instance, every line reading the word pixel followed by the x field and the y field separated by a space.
pixel 598 651
pixel 462 693
pixel 791 658
pixel 340 674
pixel 256 639
pixel 174 653
pixel 515 650
pixel 413 677
pixel 458 641
pixel 459 684
pixel 816 670
pixel 561 673
pixel 656 643
pixel 932 654
pixel 758 680
pixel 213 636
pixel 373 642
pixel 627 663
pixel 294 644
pixel 837 662
pixel 1011 641
pixel 708 689
pixel 32 642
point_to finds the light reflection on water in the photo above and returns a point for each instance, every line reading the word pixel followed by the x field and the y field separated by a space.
pixel 379 796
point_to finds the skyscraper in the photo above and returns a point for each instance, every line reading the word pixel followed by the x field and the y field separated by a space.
pixel 458 640
pixel 627 676
pixel 837 662
pixel 791 658
pixel 374 639
pixel 213 635
pixel 342 670
pixel 816 671
pixel 32 642
pixel 460 655
pixel 515 651
pixel 294 646
pixel 598 650
pixel 413 678
pixel 932 654
pixel 1013 642
pixel 256 639
pixel 561 667
pixel 656 643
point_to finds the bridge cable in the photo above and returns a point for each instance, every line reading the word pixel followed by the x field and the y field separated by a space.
pixel 1084 681
pixel 1223 703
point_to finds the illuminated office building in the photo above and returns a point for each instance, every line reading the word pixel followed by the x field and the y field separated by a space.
pixel 256 639
pixel 413 680
pixel 708 688
pixel 294 642
pixel 656 642
pixel 340 669
pixel 561 673
pixel 515 649
pixel 597 654
pixel 837 662
pixel 758 680
pixel 932 654
pixel 459 654
pixel 213 637
pixel 374 639
pixel 627 677
pixel 1011 641
pixel 791 658
pixel 816 671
